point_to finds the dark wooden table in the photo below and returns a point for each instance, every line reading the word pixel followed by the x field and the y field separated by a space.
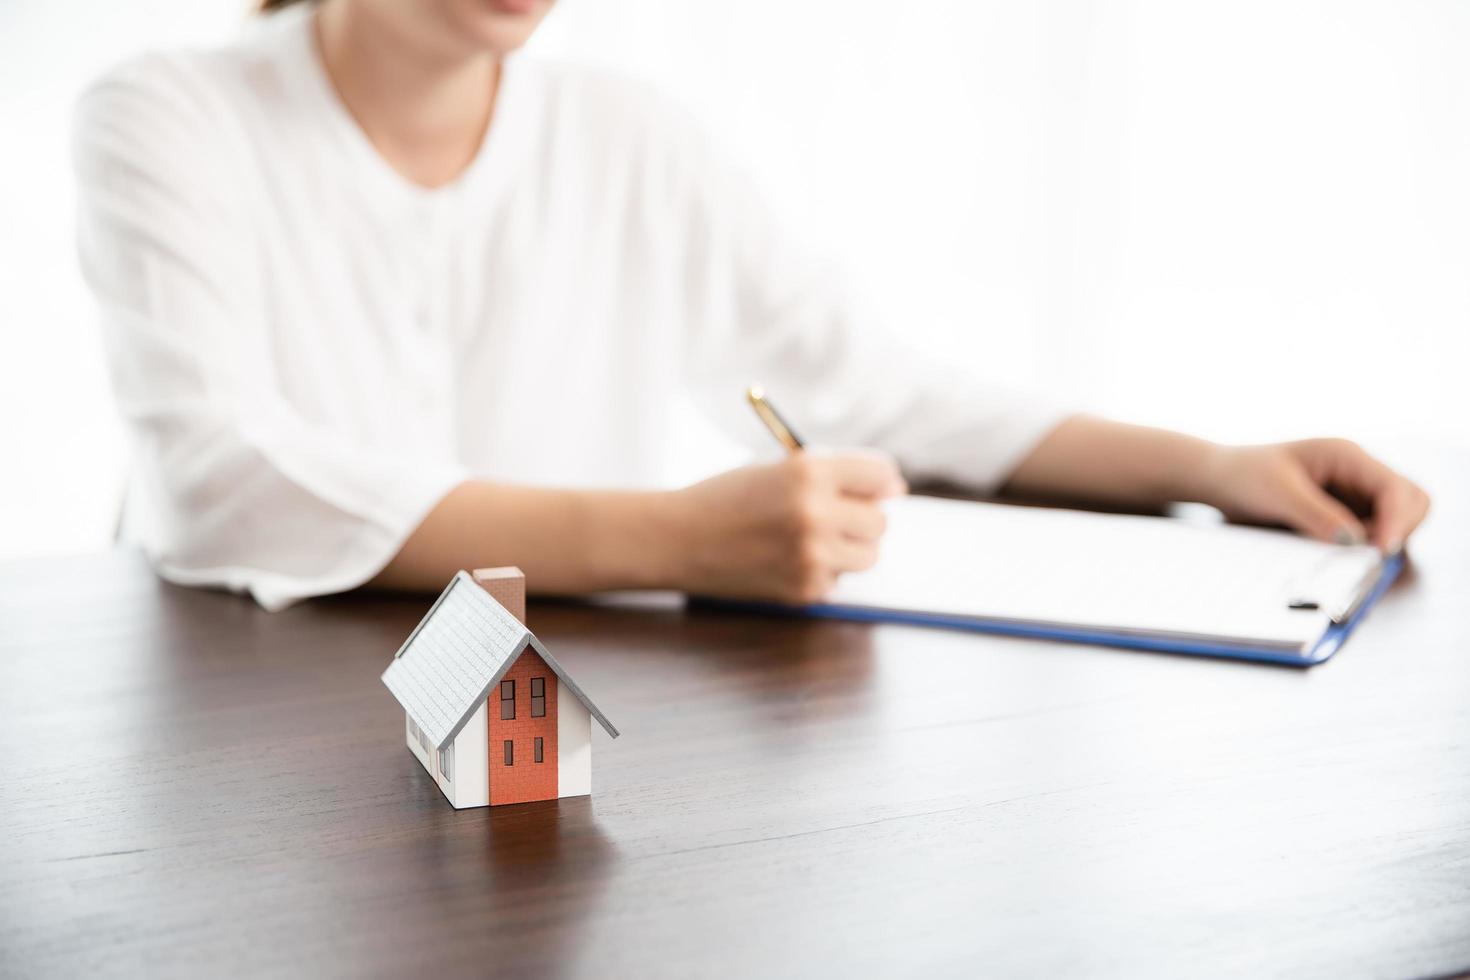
pixel 195 787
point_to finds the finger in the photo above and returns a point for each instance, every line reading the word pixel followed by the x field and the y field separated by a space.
pixel 1314 512
pixel 813 586
pixel 850 555
pixel 858 519
pixel 865 473
pixel 1398 505
pixel 1397 511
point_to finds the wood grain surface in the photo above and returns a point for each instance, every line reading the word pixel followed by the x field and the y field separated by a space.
pixel 193 787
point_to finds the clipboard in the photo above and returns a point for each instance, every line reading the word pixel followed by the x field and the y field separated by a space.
pixel 1330 642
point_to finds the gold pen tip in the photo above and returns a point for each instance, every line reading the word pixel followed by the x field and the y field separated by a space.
pixel 755 393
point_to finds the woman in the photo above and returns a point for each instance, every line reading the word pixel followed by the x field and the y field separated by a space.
pixel 383 300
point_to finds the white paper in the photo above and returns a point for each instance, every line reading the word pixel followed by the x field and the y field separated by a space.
pixel 1106 571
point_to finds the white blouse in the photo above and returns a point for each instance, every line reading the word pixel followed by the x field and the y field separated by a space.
pixel 310 351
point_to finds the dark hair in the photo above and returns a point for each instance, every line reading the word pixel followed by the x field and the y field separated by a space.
pixel 267 6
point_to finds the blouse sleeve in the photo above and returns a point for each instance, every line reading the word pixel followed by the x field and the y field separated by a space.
pixel 769 313
pixel 231 487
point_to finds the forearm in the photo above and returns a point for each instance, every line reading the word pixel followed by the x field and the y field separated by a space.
pixel 566 541
pixel 1105 462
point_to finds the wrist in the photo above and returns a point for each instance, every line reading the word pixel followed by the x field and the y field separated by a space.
pixel 615 538
pixel 659 532
pixel 675 528
pixel 1197 473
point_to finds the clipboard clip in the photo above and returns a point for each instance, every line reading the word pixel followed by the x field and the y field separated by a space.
pixel 1330 580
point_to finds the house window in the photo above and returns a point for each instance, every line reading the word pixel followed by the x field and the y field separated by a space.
pixel 446 762
pixel 510 752
pixel 507 701
pixel 417 734
pixel 538 698
pixel 538 750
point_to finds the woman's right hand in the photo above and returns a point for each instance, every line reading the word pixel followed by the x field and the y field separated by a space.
pixel 782 531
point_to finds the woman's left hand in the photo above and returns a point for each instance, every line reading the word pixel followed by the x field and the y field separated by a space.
pixel 1329 489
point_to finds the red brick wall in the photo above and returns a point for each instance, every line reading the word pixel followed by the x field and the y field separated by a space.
pixel 528 779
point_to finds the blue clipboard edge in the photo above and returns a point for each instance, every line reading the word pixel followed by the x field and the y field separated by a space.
pixel 1331 641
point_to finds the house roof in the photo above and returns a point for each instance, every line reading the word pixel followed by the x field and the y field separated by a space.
pixel 457 654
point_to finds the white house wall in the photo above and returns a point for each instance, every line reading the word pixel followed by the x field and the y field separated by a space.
pixel 428 757
pixel 413 742
pixel 573 747
pixel 471 784
pixel 415 747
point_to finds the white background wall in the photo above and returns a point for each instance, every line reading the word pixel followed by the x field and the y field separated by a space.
pixel 1251 220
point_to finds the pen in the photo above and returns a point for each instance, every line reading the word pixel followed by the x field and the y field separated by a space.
pixel 784 434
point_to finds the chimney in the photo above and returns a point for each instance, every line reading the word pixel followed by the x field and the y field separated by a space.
pixel 507 585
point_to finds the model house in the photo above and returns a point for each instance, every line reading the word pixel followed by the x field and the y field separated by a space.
pixel 491 715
